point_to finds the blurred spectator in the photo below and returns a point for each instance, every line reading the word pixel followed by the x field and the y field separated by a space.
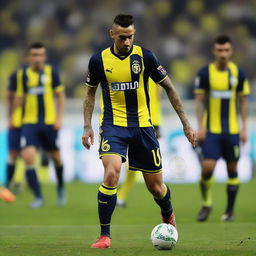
pixel 180 32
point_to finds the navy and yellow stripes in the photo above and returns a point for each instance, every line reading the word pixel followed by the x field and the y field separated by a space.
pixel 107 190
pixel 125 98
pixel 222 88
pixel 38 88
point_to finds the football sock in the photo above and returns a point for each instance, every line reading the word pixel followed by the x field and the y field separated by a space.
pixel 10 173
pixel 106 205
pixel 128 182
pixel 33 181
pixel 232 189
pixel 165 203
pixel 59 175
pixel 206 190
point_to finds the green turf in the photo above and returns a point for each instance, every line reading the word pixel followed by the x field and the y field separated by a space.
pixel 55 231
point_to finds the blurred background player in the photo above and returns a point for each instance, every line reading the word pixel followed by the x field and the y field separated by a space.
pixel 14 132
pixel 37 84
pixel 155 115
pixel 218 87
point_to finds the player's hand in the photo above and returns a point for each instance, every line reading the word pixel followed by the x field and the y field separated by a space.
pixel 10 124
pixel 201 134
pixel 88 137
pixel 243 135
pixel 191 135
pixel 57 125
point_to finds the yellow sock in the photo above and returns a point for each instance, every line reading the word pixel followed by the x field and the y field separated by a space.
pixel 206 190
pixel 127 184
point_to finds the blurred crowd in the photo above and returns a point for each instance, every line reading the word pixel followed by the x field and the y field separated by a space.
pixel 180 32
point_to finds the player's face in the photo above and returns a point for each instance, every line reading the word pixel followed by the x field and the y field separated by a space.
pixel 37 58
pixel 123 38
pixel 222 52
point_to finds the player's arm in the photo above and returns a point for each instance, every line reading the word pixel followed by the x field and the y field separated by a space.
pixel 88 107
pixel 60 98
pixel 93 78
pixel 177 105
pixel 243 103
pixel 243 90
pixel 200 108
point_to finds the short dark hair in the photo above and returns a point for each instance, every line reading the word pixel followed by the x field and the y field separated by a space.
pixel 36 45
pixel 124 20
pixel 222 39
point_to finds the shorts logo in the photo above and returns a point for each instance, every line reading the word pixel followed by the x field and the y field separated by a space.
pixel 104 146
pixel 156 156
pixel 136 68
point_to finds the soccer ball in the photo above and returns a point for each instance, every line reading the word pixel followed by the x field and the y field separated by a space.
pixel 164 236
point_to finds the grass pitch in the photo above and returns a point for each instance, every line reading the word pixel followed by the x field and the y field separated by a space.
pixel 69 230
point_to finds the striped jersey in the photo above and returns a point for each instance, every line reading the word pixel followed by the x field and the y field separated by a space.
pixel 222 88
pixel 124 83
pixel 38 88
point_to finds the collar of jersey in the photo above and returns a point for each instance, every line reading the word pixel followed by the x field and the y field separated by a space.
pixel 118 56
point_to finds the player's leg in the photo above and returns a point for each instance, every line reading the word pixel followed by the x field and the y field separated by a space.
pixel 232 190
pixel 14 151
pixel 58 165
pixel 49 142
pixel 107 195
pixel 126 186
pixel 12 158
pixel 210 151
pixel 161 194
pixel 29 155
pixel 206 183
pixel 29 145
pixel 231 154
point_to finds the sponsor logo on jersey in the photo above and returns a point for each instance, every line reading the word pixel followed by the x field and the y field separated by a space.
pixel 125 86
pixel 36 90
pixel 221 94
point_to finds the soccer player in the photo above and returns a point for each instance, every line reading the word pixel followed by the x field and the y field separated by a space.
pixel 155 115
pixel 218 87
pixel 37 84
pixel 123 71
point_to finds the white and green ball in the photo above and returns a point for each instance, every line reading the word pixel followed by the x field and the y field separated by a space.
pixel 164 236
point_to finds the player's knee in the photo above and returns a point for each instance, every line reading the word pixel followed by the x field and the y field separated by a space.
pixel 207 174
pixel 111 177
pixel 156 190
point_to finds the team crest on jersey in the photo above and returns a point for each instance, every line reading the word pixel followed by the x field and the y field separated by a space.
pixel 44 79
pixel 136 67
pixel 233 81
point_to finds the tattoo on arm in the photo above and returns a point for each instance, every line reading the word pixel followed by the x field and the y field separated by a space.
pixel 88 105
pixel 175 100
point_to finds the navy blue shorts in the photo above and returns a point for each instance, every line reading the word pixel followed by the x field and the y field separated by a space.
pixel 221 145
pixel 140 142
pixel 39 135
pixel 14 139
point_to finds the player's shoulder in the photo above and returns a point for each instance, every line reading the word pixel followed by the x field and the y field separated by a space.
pixel 146 52
pixel 241 71
pixel 203 71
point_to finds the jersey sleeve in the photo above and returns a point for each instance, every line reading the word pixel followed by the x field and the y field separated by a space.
pixel 12 87
pixel 153 67
pixel 243 83
pixel 202 81
pixel 93 77
pixel 56 83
